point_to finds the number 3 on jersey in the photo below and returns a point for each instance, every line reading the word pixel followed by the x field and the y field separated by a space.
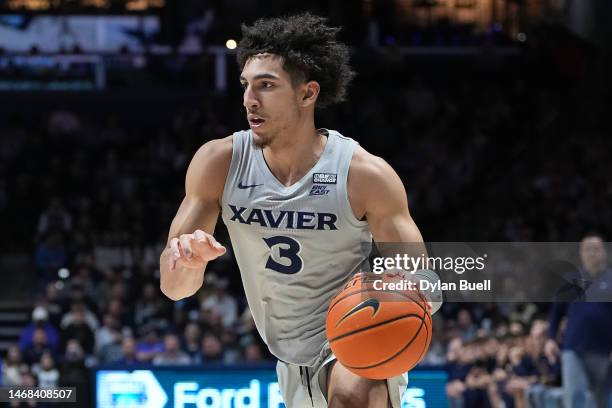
pixel 288 252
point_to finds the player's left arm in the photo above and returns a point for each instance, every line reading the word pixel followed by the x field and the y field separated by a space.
pixel 377 195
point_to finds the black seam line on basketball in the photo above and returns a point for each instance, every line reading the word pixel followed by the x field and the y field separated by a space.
pixel 427 335
pixel 401 293
pixel 340 337
pixel 427 340
pixel 370 289
pixel 396 354
pixel 399 352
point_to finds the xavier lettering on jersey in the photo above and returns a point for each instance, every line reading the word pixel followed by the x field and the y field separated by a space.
pixel 283 219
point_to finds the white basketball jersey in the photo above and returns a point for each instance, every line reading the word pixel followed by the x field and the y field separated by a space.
pixel 295 246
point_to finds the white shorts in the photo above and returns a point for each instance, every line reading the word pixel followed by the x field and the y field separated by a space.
pixel 304 387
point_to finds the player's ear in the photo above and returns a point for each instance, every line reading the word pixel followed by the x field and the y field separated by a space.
pixel 311 92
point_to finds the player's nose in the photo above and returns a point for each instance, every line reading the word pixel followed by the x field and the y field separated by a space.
pixel 249 99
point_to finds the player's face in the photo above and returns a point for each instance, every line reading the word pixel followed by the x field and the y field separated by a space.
pixel 593 254
pixel 270 99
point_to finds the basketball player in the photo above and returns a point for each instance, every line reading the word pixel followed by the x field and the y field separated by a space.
pixel 299 203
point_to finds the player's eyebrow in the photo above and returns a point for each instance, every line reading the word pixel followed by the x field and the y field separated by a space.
pixel 261 76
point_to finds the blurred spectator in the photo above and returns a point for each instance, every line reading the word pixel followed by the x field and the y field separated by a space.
pixel 79 312
pixel 51 255
pixel 78 329
pixel 118 312
pixel 210 350
pixel 477 382
pixel 107 333
pixel 52 302
pixel 111 351
pixel 221 303
pixel 82 282
pixel 465 324
pixel 150 307
pixel 436 353
pixel 39 346
pixel 457 370
pixel 523 375
pixel 516 329
pixel 252 350
pixel 210 321
pixel 54 218
pixel 45 371
pixel 546 391
pixel 129 353
pixel 150 345
pixel 27 380
pixel 74 373
pixel 172 354
pixel 13 367
pixel 232 348
pixel 40 318
pixel 191 340
pixel 178 321
pixel 252 353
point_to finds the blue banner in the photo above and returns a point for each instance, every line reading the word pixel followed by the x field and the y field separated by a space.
pixel 227 387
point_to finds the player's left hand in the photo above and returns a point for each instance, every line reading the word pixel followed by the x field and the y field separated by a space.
pixel 400 274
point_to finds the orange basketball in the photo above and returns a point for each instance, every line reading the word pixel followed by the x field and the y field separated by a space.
pixel 378 334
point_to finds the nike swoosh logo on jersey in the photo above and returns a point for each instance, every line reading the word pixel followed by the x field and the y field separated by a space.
pixel 373 303
pixel 242 186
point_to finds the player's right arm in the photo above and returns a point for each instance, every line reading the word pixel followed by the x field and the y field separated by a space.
pixel 190 243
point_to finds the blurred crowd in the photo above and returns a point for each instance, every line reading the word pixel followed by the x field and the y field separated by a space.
pixel 379 22
pixel 508 368
pixel 489 148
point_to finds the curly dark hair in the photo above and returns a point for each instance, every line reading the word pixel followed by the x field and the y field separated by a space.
pixel 308 49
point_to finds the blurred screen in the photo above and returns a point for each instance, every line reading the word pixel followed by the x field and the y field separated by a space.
pixel 20 33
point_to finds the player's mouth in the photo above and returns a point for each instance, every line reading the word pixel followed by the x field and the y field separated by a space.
pixel 255 121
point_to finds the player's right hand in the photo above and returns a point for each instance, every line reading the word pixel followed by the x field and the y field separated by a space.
pixel 194 250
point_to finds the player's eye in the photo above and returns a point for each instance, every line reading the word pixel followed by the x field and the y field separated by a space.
pixel 243 85
pixel 266 84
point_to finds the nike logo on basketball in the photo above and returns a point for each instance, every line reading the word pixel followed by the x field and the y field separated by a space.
pixel 373 303
pixel 242 186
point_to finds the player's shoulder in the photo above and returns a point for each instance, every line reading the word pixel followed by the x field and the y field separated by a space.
pixel 211 163
pixel 216 153
pixel 372 182
pixel 373 185
pixel 368 167
pixel 215 150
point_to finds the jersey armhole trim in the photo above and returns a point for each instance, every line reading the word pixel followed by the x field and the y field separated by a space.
pixel 345 202
pixel 234 164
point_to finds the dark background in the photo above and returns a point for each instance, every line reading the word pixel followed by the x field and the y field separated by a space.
pixel 495 114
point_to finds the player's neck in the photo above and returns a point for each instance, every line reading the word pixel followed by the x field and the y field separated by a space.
pixel 293 154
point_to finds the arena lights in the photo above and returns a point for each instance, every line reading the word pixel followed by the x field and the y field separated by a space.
pixel 63 273
pixel 231 44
